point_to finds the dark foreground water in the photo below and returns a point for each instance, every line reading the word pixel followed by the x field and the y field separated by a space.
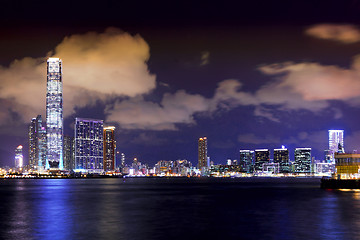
pixel 149 208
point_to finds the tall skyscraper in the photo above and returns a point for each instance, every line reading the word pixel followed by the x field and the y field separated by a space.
pixel 37 143
pixel 336 138
pixel 109 149
pixel 89 144
pixel 302 160
pixel 261 156
pixel 281 156
pixel 202 151
pixel 69 153
pixel 247 161
pixel 54 114
pixel 19 158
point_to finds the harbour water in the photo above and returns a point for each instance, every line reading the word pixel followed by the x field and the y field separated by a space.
pixel 176 208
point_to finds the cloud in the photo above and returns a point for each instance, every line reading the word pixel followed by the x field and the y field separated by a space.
pixel 343 33
pixel 136 113
pixel 95 66
pixel 316 82
pixel 205 58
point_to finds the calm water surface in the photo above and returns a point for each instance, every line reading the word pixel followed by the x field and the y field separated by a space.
pixel 150 208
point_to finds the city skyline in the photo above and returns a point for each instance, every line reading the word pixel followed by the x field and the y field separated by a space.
pixel 258 78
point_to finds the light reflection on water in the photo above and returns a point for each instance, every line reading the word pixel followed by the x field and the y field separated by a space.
pixel 176 209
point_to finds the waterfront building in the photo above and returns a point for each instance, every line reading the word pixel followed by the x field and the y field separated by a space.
pixel 19 158
pixel 281 156
pixel 324 168
pixel 182 167
pixel 69 153
pixel 54 114
pixel 327 156
pixel 89 144
pixel 37 143
pixel 271 168
pixel 109 148
pixel 261 156
pixel 202 154
pixel 246 161
pixel 347 165
pixel 336 138
pixel 302 162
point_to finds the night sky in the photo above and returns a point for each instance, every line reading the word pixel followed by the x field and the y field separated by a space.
pixel 248 75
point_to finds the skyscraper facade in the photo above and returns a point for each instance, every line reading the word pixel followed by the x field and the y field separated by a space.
pixel 261 156
pixel 202 153
pixel 281 156
pixel 89 144
pixel 336 138
pixel 19 158
pixel 69 153
pixel 37 143
pixel 109 149
pixel 302 160
pixel 54 114
pixel 247 161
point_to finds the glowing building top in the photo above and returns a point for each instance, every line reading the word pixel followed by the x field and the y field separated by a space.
pixel 336 138
pixel 19 159
pixel 54 114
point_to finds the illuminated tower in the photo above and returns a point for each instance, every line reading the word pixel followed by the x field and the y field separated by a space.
pixel 54 114
pixel 261 156
pixel 302 160
pixel 202 148
pixel 109 148
pixel 37 143
pixel 19 159
pixel 89 144
pixel 336 137
pixel 246 160
pixel 281 156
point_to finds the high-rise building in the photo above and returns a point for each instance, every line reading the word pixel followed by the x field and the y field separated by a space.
pixel 37 143
pixel 336 140
pixel 54 114
pixel 302 160
pixel 109 149
pixel 261 156
pixel 69 153
pixel 89 144
pixel 247 161
pixel 122 160
pixel 202 151
pixel 19 158
pixel 281 156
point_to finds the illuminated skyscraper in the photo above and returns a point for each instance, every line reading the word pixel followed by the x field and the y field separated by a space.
pixel 281 156
pixel 54 114
pixel 89 144
pixel 302 160
pixel 37 143
pixel 202 151
pixel 19 158
pixel 261 156
pixel 109 148
pixel 247 161
pixel 336 138
pixel 69 153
